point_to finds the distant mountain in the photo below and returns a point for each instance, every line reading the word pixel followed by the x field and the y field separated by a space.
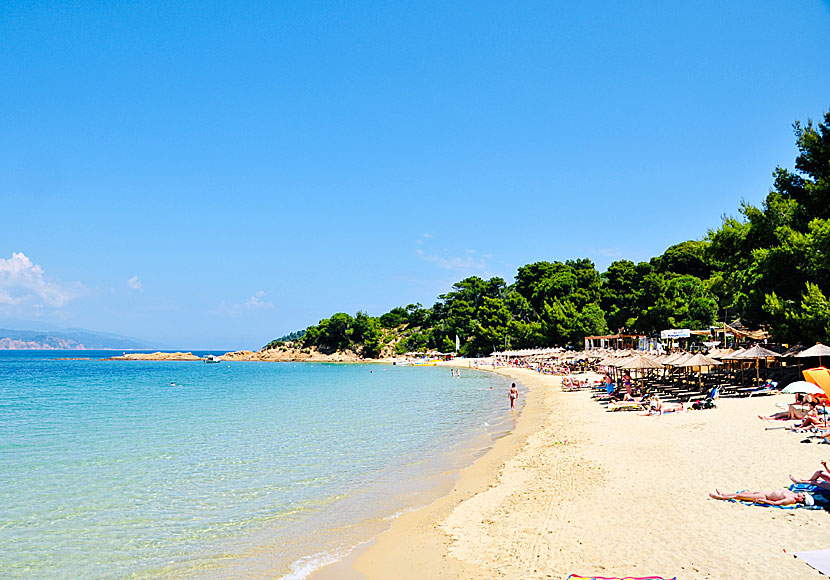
pixel 66 339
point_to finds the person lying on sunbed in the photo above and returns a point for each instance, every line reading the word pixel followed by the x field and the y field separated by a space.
pixel 794 411
pixel 811 419
pixel 820 478
pixel 774 497
pixel 658 407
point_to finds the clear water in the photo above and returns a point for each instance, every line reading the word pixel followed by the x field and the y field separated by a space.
pixel 240 470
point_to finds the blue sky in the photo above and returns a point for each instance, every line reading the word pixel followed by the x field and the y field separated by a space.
pixel 215 176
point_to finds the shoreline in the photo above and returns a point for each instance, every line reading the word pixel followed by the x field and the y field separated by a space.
pixel 578 490
pixel 397 544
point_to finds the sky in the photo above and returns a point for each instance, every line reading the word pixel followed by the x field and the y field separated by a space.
pixel 216 175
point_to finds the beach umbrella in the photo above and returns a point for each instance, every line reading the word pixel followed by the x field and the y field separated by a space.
pixel 756 352
pixel 819 376
pixel 792 351
pixel 698 361
pixel 641 363
pixel 818 350
pixel 804 388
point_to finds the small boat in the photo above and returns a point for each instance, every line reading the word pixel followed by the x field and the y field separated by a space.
pixel 425 363
pixel 212 358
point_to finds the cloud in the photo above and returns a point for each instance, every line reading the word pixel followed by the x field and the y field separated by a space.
pixel 135 284
pixel 23 284
pixel 258 301
pixel 465 264
pixel 255 302
pixel 609 252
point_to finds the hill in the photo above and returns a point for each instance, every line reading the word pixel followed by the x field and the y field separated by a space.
pixel 66 339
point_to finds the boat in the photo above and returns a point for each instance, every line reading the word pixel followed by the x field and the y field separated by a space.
pixel 425 363
pixel 212 358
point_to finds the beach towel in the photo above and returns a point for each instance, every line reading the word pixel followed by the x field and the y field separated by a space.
pixel 626 406
pixel 818 559
pixel 575 577
pixel 820 497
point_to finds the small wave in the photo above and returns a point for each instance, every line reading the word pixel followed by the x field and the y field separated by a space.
pixel 308 564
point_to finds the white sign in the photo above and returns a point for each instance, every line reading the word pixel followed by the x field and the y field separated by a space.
pixel 675 333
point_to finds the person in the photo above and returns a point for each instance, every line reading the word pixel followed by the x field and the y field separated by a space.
pixel 820 478
pixel 627 383
pixel 609 385
pixel 811 419
pixel 658 407
pixel 793 412
pixel 774 497
pixel 513 395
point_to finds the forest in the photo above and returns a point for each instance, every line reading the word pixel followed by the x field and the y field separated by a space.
pixel 768 265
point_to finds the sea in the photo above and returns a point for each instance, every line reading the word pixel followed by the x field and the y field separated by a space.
pixel 182 470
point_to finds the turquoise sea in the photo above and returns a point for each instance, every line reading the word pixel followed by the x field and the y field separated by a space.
pixel 240 470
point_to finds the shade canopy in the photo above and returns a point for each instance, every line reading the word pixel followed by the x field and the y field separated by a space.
pixel 803 387
pixel 698 360
pixel 819 376
pixel 755 352
pixel 680 360
pixel 817 350
pixel 641 362
pixel 733 355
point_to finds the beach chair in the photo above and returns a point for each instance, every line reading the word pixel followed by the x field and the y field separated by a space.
pixel 626 406
pixel 768 388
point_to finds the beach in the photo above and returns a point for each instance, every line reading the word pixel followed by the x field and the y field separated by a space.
pixel 578 490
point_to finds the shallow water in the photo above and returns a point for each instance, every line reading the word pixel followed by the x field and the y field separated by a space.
pixel 242 469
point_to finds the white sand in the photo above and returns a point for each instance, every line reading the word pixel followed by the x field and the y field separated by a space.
pixel 579 490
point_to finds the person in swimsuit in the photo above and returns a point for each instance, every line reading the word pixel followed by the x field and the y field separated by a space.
pixel 513 395
pixel 774 497
pixel 820 478
pixel 609 384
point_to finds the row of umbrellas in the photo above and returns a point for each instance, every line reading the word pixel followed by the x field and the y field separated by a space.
pixel 756 352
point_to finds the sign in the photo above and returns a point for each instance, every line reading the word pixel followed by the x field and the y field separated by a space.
pixel 675 333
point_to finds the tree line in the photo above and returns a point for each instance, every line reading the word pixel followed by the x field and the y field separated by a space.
pixel 769 265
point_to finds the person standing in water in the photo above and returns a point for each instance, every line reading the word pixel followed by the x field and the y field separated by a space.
pixel 514 394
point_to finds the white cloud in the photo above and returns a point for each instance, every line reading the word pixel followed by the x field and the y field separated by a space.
pixel 135 283
pixel 464 264
pixel 255 302
pixel 258 301
pixel 22 283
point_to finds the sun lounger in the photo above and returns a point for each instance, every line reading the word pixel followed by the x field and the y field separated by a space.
pixel 627 406
pixel 767 389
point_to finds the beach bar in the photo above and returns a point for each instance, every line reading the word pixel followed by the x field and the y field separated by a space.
pixel 613 341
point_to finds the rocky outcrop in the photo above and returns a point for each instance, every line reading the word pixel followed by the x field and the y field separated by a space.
pixel 183 356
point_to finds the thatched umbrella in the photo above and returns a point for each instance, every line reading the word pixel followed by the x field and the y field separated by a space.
pixel 818 350
pixel 642 363
pixel 699 361
pixel 756 352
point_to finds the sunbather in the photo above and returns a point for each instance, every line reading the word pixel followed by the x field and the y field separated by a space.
pixel 820 478
pixel 812 420
pixel 658 407
pixel 794 411
pixel 774 497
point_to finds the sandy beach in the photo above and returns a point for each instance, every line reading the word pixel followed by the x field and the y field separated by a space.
pixel 578 490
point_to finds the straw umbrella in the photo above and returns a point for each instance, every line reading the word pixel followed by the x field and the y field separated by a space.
pixel 641 362
pixel 699 361
pixel 818 350
pixel 756 352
